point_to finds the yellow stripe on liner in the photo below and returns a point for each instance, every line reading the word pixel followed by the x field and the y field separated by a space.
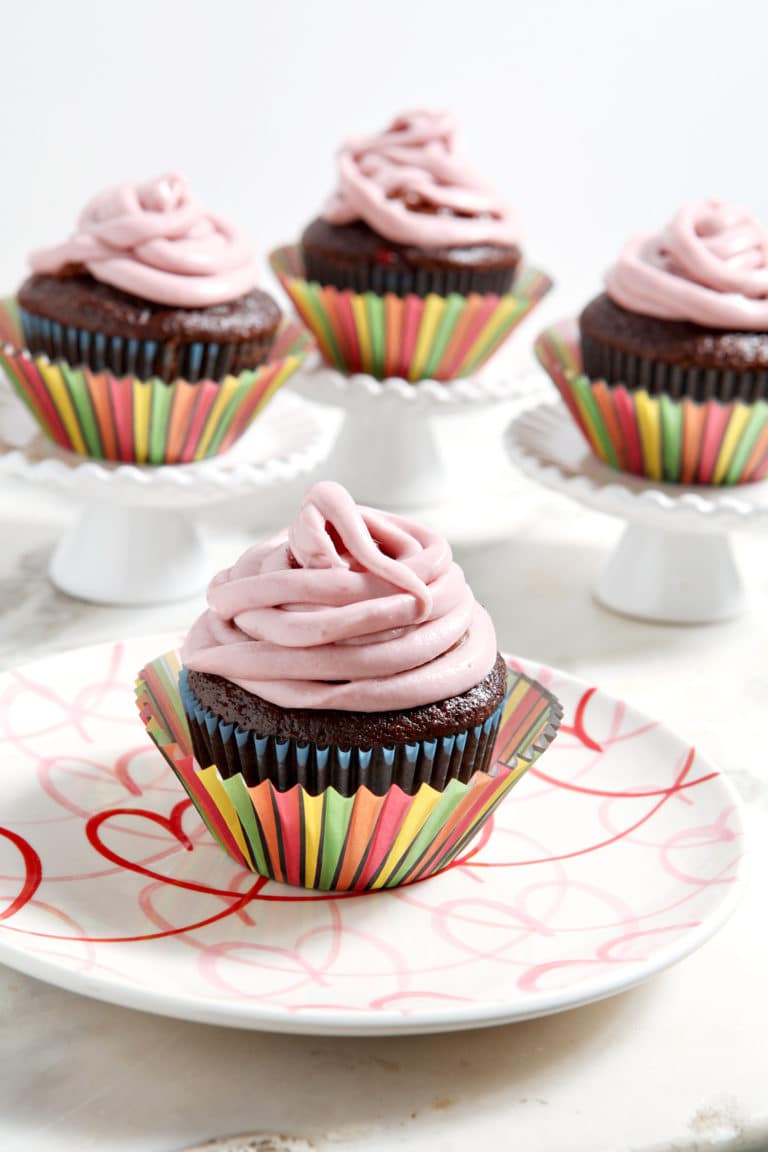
pixel 649 423
pixel 142 404
pixel 506 309
pixel 736 425
pixel 217 793
pixel 514 699
pixel 228 385
pixel 363 332
pixel 434 306
pixel 423 802
pixel 62 400
pixel 313 826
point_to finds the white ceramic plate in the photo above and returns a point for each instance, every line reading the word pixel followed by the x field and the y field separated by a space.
pixel 616 856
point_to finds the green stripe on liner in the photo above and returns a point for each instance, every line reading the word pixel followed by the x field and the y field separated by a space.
pixel 563 351
pixel 10 305
pixel 470 834
pixel 76 385
pixel 337 811
pixel 454 306
pixel 581 386
pixel 757 422
pixel 446 805
pixel 671 419
pixel 374 308
pixel 230 411
pixel 170 682
pixel 314 302
pixel 161 733
pixel 161 399
pixel 238 793
pixel 496 337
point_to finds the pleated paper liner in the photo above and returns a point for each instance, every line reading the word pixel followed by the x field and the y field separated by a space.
pixel 288 762
pixel 192 360
pixel 415 338
pixel 140 421
pixel 332 842
pixel 678 440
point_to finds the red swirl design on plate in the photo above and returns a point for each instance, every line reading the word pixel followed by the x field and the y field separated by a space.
pixel 618 844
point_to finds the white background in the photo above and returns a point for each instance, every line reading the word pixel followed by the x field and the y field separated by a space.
pixel 595 118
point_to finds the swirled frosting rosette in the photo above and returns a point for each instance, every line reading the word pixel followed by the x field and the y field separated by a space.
pixel 143 336
pixel 709 266
pixel 413 267
pixel 350 609
pixel 411 186
pixel 341 717
pixel 668 377
pixel 154 241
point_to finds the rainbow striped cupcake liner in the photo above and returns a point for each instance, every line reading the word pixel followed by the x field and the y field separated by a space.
pixel 286 762
pixel 412 337
pixel 675 439
pixel 129 419
pixel 194 361
pixel 345 843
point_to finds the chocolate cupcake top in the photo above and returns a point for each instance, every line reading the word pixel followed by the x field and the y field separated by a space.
pixel 709 266
pixel 155 242
pixel 409 184
pixel 348 609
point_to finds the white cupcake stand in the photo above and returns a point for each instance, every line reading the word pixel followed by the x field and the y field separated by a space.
pixel 389 450
pixel 674 562
pixel 135 540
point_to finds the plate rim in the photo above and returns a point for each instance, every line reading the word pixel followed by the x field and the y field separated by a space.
pixel 254 1016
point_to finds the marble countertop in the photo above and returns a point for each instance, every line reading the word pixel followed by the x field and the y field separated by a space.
pixel 675 1064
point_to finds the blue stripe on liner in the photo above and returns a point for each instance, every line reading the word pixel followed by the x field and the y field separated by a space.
pixel 99 351
pixel 148 353
pixel 433 761
pixel 211 356
pixel 194 360
pixel 56 337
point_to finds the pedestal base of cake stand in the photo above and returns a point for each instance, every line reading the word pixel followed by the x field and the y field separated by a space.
pixel 674 562
pixel 115 554
pixel 390 450
pixel 679 578
pixel 135 539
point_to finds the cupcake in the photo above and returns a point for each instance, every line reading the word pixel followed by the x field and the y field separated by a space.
pixel 410 222
pixel 410 217
pixel 671 375
pixel 345 688
pixel 149 288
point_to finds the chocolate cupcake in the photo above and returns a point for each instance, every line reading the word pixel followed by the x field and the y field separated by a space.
pixel 410 217
pixel 348 652
pixel 150 285
pixel 76 318
pixel 670 376
pixel 340 716
pixel 410 221
pixel 143 337
pixel 685 313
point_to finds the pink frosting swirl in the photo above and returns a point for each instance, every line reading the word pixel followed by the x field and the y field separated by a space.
pixel 708 266
pixel 408 184
pixel 350 608
pixel 154 241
